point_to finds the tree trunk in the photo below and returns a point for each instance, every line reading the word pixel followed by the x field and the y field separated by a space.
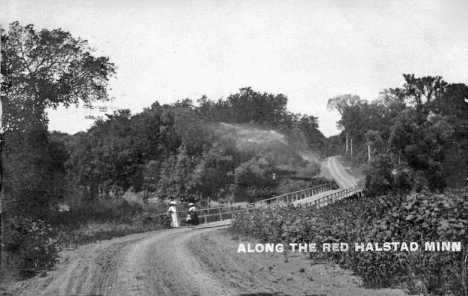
pixel 4 277
pixel 2 193
pixel 346 143
pixel 2 224
pixel 368 152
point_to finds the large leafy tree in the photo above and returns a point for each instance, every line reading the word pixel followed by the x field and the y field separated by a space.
pixel 357 117
pixel 421 142
pixel 343 102
pixel 453 106
pixel 43 69
pixel 40 69
pixel 47 68
pixel 420 90
pixel 249 106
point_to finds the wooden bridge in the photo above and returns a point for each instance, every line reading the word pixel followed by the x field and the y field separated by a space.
pixel 317 197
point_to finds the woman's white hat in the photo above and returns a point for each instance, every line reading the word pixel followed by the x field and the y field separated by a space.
pixel 190 204
pixel 173 202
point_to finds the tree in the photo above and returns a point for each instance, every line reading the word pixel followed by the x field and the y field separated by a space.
pixel 306 135
pixel 40 69
pixel 214 172
pixel 44 69
pixel 378 175
pixel 52 68
pixel 348 106
pixel 453 107
pixel 249 106
pixel 422 142
pixel 420 91
pixel 342 102
pixel 373 141
pixel 191 130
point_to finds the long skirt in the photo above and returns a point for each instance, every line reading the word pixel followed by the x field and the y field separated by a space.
pixel 175 219
pixel 194 217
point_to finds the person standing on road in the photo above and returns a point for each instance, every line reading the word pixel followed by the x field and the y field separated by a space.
pixel 188 220
pixel 193 214
pixel 173 215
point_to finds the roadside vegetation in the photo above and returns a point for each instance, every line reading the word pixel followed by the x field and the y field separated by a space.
pixel 420 217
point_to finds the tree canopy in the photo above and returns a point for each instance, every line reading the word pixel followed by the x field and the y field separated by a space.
pixel 418 128
pixel 52 67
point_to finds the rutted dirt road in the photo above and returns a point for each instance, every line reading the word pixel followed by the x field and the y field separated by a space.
pixel 156 263
pixel 189 261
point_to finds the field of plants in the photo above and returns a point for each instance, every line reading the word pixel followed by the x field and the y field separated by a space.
pixel 422 217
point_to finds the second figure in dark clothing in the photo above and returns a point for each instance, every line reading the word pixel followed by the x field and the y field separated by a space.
pixel 192 212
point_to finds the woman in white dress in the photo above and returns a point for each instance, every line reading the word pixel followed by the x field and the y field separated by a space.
pixel 174 215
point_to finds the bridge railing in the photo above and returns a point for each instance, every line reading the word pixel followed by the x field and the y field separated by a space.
pixel 335 196
pixel 294 196
pixel 215 214
pixel 227 212
pixel 329 198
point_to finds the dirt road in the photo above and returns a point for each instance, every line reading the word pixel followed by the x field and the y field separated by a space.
pixel 156 263
pixel 189 262
pixel 332 169
pixel 339 173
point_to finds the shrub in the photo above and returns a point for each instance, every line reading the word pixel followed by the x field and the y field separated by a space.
pixel 34 244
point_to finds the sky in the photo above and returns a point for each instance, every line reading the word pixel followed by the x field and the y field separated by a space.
pixel 310 51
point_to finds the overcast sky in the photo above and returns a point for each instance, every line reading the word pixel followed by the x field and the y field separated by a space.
pixel 309 51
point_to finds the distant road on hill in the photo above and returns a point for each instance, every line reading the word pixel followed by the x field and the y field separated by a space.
pixel 332 168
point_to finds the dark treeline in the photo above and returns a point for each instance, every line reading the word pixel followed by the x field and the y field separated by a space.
pixel 414 138
pixel 194 152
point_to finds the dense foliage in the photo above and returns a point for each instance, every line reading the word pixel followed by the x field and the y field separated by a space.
pixel 420 218
pixel 40 69
pixel 412 138
pixel 171 151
